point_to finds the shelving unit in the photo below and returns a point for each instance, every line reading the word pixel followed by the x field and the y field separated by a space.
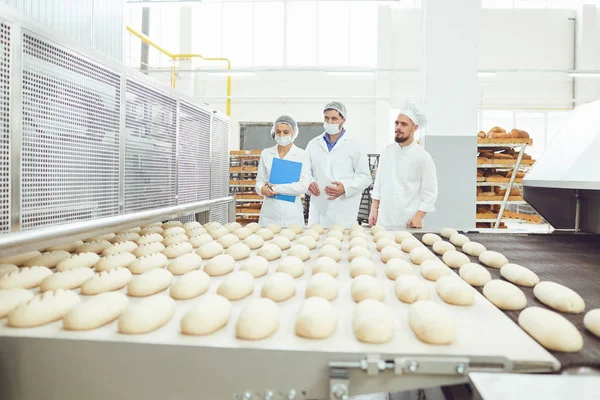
pixel 365 202
pixel 243 166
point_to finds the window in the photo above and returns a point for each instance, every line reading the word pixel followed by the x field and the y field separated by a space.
pixel 555 122
pixel 363 35
pixel 492 118
pixel 334 25
pixel 301 30
pixel 237 33
pixel 533 123
pixel 207 37
pixel 268 34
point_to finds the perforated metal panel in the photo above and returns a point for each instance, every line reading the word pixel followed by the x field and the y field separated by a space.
pixel 70 141
pixel 194 154
pixel 219 168
pixel 5 66
pixel 150 146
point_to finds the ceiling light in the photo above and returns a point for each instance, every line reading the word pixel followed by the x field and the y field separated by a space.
pixel 584 74
pixel 349 73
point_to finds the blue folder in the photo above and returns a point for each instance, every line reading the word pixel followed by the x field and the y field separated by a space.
pixel 284 171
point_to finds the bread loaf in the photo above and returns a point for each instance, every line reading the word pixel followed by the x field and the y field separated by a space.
pixel 518 134
pixel 496 129
pixel 481 134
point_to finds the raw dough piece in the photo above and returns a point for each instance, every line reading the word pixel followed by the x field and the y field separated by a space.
pixel 337 227
pixel 176 230
pixel 209 250
pixel 559 297
pixel 400 236
pixel 125 237
pixel 322 285
pixel 475 274
pixel 454 259
pixel 431 323
pixel 448 232
pixel 459 240
pixel 185 263
pixel 137 229
pixel 317 228
pixel 149 248
pixel 254 242
pixel 42 309
pixel 303 252
pixel 336 234
pixel 551 330
pixel 175 239
pixel 326 265
pixel 372 322
pixel 219 265
pixel 120 260
pixel 150 230
pixel 233 226
pixel 98 311
pixel 291 265
pixel 454 291
pixel 359 242
pixel 228 240
pixel 312 234
pixel 149 238
pixel 257 266
pixel 430 238
pixel 106 281
pixel 270 252
pixel 119 247
pixel 218 232
pixel 190 285
pixel 192 224
pixel 171 224
pixel 316 319
pixel 282 242
pixel 83 260
pixel 333 242
pixel 253 226
pixel 330 251
pixel 199 240
pixel 359 251
pixel 355 227
pixel 95 247
pixel 238 251
pixel 519 275
pixel 409 244
pixel 591 321
pixel 409 289
pixel 420 254
pixel 12 298
pixel 150 283
pixel 279 287
pixel 20 259
pixel 397 267
pixel 265 233
pixel 308 241
pixel 362 266
pixel 146 263
pixel 237 286
pixel 442 247
pixel 209 226
pixel 209 315
pixel 383 234
pixel 376 228
pixel 69 279
pixel 48 259
pixel 366 287
pixel 242 233
pixel 275 228
pixel 493 259
pixel 196 231
pixel 68 247
pixel 148 315
pixel 473 249
pixel 358 234
pixel 288 233
pixel 108 237
pixel 263 310
pixel 6 268
pixel 296 228
pixel 433 270
pixel 504 295
pixel 385 242
pixel 25 278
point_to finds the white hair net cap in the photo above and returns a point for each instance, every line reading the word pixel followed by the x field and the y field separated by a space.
pixel 337 106
pixel 412 112
pixel 287 120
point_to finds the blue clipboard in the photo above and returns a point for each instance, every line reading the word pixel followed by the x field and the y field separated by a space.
pixel 282 172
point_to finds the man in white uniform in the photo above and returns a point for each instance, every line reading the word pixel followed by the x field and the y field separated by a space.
pixel 340 171
pixel 405 188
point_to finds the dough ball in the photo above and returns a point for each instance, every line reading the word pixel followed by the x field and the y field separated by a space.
pixel 176 230
pixel 330 251
pixel 265 233
pixel 336 234
pixel 454 291
pixel 409 289
pixel 218 232
pixel 209 250
pixel 279 287
pixel 211 226
pixel 269 251
pixel 443 247
pixel 185 263
pixel 459 240
pixel 195 231
pixel 291 265
pixel 400 236
pixel 253 226
pixel 68 279
pixel 448 232
pixel 237 286
pixel 190 285
pixel 85 260
pixel 409 244
pixel 551 330
pixel 254 242
pixel 242 233
pixel 171 224
pixel 257 266
pixel 337 227
pixel 431 323
pixel 20 259
pixel 176 250
pixel 493 259
pixel 372 322
pixel 397 267
pixel 275 228
pixel 131 237
pixel 148 248
pixel 233 226
pixel 591 321
pixel 120 260
pixel 366 287
pixel 432 270
pixel 358 251
pixel 559 297
pixel 376 228
pixel 175 239
pixel 316 319
pixel 149 238
pixel 326 265
pixel 308 241
pixel 359 242
pixel 289 234
pixel 475 274
pixel 333 242
pixel 391 252
pixel 384 242
pixel 355 227
pixel 12 298
pixel 430 238
pixel 358 234
pixel 300 251
pixel 312 234
pixel 420 254
pixel 8 268
pixel 228 240
pixel 296 228
pixel 473 249
pixel 282 242
pixel 263 310
pixel 505 295
pixel 147 263
pixel 519 275
pixel 362 266
pixel 149 283
pixel 382 234
pixel 192 225
pixel 210 314
pixel 454 259
pixel 150 230
pixel 49 259
pixel 68 247
pixel 200 240
pixel 322 285
pixel 219 265
pixel 238 251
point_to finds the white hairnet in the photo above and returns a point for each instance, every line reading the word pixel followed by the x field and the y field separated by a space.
pixel 287 120
pixel 337 106
pixel 412 112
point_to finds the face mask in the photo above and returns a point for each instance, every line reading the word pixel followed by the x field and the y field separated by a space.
pixel 331 129
pixel 284 140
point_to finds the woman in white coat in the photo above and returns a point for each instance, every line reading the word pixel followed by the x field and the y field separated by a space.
pixel 274 211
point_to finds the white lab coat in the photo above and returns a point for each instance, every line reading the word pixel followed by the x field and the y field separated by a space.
pixel 281 212
pixel 346 163
pixel 406 182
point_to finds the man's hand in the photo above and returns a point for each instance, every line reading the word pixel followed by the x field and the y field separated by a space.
pixel 373 217
pixel 415 222
pixel 267 192
pixel 335 191
pixel 313 189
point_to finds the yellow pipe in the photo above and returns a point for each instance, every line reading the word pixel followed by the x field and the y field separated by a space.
pixel 185 56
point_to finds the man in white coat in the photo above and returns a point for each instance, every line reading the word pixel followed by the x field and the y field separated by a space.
pixel 405 187
pixel 340 171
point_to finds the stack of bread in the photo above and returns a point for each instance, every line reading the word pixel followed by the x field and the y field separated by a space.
pixel 500 133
